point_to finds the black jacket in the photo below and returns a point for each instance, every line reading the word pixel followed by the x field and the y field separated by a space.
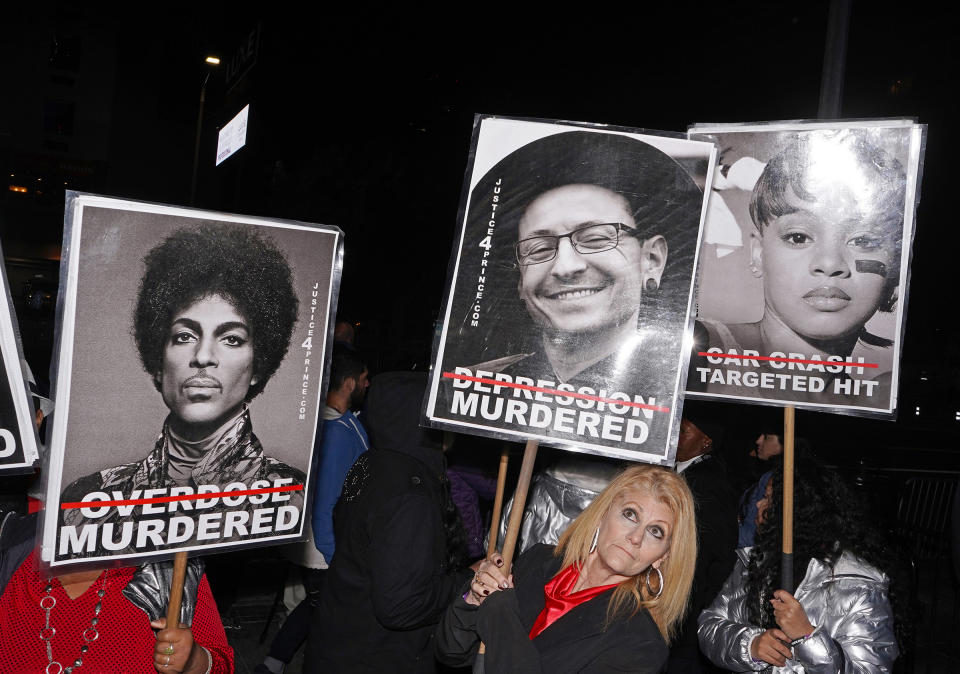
pixel 716 507
pixel 16 542
pixel 576 642
pixel 389 581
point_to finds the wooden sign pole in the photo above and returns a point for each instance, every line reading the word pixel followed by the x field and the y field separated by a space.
pixel 498 501
pixel 176 589
pixel 519 502
pixel 786 566
pixel 516 512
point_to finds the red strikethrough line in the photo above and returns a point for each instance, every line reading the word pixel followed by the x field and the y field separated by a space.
pixel 564 394
pixel 841 363
pixel 182 497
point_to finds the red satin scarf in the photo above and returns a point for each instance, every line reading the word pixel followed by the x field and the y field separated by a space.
pixel 559 599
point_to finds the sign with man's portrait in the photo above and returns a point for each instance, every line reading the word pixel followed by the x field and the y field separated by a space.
pixel 801 297
pixel 18 436
pixel 571 288
pixel 191 360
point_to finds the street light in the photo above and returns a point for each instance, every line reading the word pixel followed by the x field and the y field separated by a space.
pixel 213 61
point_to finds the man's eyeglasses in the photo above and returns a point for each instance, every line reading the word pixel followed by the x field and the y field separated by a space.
pixel 586 241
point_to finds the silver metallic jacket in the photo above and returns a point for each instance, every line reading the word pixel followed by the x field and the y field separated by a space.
pixel 847 604
pixel 149 589
pixel 558 494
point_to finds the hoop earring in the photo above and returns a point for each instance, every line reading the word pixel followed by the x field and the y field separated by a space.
pixel 650 589
pixel 596 539
pixel 651 285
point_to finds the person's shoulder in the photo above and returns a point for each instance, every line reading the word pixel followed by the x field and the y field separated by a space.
pixel 385 475
pixel 334 430
pixel 630 643
pixel 503 364
pixel 642 629
pixel 643 622
pixel 338 423
pixel 714 466
pixel 346 426
pixel 710 479
pixel 98 480
pixel 543 557
pixel 387 461
pixel 732 336
pixel 122 478
pixel 82 485
pixel 849 566
pixel 877 350
pixel 16 543
pixel 538 562
pixel 539 553
pixel 16 528
pixel 278 470
pixel 728 337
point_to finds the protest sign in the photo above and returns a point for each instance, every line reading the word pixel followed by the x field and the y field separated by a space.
pixel 804 264
pixel 191 359
pixel 570 288
pixel 18 435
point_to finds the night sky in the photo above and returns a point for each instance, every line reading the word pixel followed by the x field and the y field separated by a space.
pixel 363 119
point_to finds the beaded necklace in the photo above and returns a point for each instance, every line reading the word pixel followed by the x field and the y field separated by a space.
pixel 47 632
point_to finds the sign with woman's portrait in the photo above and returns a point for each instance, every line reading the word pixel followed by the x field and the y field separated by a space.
pixel 802 287
pixel 570 288
pixel 191 360
pixel 18 435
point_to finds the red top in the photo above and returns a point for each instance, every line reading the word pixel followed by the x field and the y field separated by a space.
pixel 559 599
pixel 126 641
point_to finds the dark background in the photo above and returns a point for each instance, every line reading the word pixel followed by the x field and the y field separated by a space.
pixel 362 119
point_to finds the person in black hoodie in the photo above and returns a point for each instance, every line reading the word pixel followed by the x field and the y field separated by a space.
pixel 400 544
pixel 698 460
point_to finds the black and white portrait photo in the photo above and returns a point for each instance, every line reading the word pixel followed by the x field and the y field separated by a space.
pixel 571 287
pixel 803 272
pixel 191 365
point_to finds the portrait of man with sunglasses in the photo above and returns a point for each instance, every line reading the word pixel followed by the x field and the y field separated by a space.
pixel 586 247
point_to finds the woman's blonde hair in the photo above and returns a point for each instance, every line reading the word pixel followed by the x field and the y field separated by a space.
pixel 669 606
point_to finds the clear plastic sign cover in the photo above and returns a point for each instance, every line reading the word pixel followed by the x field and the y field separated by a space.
pixel 190 365
pixel 18 435
pixel 802 287
pixel 570 291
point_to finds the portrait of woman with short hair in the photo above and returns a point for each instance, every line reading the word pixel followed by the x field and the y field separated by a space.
pixel 824 245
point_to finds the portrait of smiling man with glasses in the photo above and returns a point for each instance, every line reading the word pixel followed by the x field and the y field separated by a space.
pixel 573 273
pixel 587 217
pixel 583 269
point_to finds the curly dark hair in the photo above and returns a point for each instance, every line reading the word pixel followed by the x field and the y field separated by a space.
pixel 234 262
pixel 829 518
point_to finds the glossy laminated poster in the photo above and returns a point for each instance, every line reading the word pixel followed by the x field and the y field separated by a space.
pixel 804 266
pixel 191 360
pixel 18 435
pixel 570 287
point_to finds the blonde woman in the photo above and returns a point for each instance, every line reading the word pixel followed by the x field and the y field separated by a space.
pixel 609 597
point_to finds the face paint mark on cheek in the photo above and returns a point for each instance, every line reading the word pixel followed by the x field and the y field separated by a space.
pixel 871 267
